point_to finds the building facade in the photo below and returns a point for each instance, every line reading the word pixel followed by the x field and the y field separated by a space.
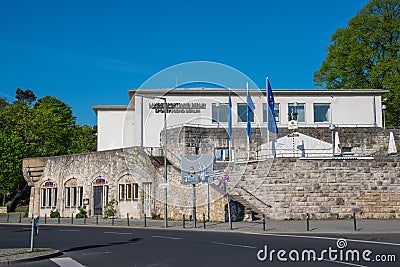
pixel 128 166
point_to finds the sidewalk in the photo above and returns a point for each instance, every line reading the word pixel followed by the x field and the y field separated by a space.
pixel 11 256
pixel 319 227
pixel 364 226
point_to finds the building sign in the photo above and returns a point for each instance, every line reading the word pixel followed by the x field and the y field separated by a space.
pixel 196 168
pixel 178 107
pixel 49 184
pixel 100 181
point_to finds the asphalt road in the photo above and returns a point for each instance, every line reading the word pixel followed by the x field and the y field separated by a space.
pixel 114 246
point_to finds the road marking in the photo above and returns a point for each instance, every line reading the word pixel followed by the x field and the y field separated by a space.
pixel 117 233
pixel 166 237
pixel 68 230
pixel 327 238
pixel 66 262
pixel 233 245
pixel 346 263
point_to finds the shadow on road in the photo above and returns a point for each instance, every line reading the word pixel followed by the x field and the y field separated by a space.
pixel 133 240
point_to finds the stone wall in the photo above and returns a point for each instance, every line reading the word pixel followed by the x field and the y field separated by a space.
pixel 117 166
pixel 324 188
pixel 189 140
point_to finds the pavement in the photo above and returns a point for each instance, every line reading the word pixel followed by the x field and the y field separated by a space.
pixel 11 256
pixel 271 227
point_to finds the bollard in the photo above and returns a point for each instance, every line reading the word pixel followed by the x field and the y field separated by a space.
pixel 354 221
pixel 45 218
pixel 97 219
pixel 183 221
pixel 263 222
pixel 231 224
pixel 20 217
pixel 8 217
pixel 145 223
pixel 112 219
pixel 84 219
pixel 127 218
pixel 72 218
pixel 59 218
pixel 204 221
pixel 308 222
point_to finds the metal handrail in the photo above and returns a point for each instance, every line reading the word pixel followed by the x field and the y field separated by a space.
pixel 269 206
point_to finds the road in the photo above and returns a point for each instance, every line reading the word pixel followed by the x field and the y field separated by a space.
pixel 119 246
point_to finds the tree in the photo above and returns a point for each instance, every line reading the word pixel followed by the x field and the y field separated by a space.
pixel 3 102
pixel 43 128
pixel 52 125
pixel 26 96
pixel 366 54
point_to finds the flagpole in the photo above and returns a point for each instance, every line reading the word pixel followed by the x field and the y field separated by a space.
pixel 266 89
pixel 247 118
pixel 230 125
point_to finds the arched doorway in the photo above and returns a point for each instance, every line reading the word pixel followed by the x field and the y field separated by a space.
pixel 100 195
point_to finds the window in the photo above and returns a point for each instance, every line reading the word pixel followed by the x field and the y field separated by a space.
pixel 299 109
pixel 121 191
pixel 221 154
pixel 276 111
pixel 129 191
pixel 48 194
pixel 322 112
pixel 73 194
pixel 242 116
pixel 220 112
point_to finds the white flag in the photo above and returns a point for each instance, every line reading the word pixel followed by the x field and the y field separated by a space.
pixel 392 146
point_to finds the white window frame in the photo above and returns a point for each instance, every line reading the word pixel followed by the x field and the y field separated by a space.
pixel 329 115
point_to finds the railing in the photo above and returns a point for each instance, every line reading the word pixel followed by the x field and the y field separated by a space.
pixel 245 190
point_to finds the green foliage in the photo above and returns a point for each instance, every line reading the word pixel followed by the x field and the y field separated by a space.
pixel 41 129
pixel 82 212
pixel 366 54
pixel 26 96
pixel 110 209
pixel 54 214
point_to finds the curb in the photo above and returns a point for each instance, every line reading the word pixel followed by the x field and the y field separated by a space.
pixel 50 254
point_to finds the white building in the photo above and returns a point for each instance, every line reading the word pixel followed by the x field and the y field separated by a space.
pixel 141 122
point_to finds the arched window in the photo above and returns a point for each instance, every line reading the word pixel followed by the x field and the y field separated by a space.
pixel 73 194
pixel 48 194
pixel 128 189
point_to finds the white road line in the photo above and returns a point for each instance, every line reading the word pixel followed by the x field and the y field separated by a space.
pixel 233 245
pixel 117 233
pixel 327 238
pixel 346 263
pixel 166 237
pixel 68 230
pixel 66 262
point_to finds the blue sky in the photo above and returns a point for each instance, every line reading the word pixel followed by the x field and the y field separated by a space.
pixel 90 53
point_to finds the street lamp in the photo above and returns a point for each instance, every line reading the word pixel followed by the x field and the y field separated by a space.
pixel 384 116
pixel 332 128
pixel 217 105
pixel 164 152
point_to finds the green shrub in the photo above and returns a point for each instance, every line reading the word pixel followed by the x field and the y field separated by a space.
pixel 109 209
pixel 82 212
pixel 54 214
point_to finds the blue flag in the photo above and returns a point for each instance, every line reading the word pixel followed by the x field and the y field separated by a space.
pixel 250 108
pixel 271 114
pixel 229 115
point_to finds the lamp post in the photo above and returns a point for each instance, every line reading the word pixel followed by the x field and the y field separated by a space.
pixel 217 106
pixel 165 154
pixel 332 128
pixel 384 116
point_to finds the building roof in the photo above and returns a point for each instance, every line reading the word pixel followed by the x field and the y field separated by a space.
pixel 109 108
pixel 240 91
